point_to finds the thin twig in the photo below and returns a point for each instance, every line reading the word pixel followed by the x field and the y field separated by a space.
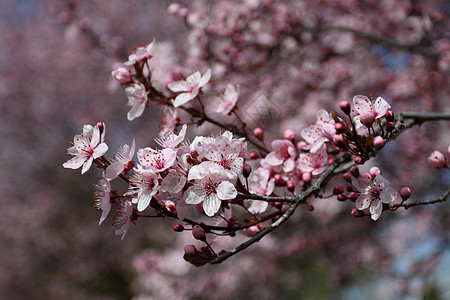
pixel 441 198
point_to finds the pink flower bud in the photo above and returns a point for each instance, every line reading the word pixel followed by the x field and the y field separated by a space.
pixel 178 227
pixel 374 171
pixel 190 250
pixel 199 233
pixel 390 126
pixel 122 75
pixel 173 8
pixel 357 213
pixel 291 187
pixel 289 135
pixel 355 172
pixel 437 160
pixel 247 169
pixel 338 189
pixel 367 118
pixel 259 133
pixel 389 116
pixel 341 197
pixel 253 155
pixel 339 128
pixel 339 140
pixel 170 206
pixel 345 107
pixel 352 196
pixel 378 142
pixel 307 177
pixel 279 181
pixel 405 193
pixel 359 160
pixel 347 177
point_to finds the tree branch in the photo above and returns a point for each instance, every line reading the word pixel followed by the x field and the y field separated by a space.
pixel 441 198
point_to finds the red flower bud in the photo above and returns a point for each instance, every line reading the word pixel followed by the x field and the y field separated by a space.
pixel 345 107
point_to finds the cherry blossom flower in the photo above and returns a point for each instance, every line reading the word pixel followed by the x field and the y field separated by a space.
pixel 145 184
pixel 140 54
pixel 316 134
pixel 211 186
pixel 229 99
pixel 284 154
pixel 170 139
pixel 122 75
pixel 177 177
pixel 365 109
pixel 314 162
pixel 102 198
pixel 156 160
pixel 123 218
pixel 372 193
pixel 87 146
pixel 122 161
pixel 137 99
pixel 261 184
pixel 189 88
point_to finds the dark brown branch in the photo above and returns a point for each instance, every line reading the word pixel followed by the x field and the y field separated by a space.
pixel 439 199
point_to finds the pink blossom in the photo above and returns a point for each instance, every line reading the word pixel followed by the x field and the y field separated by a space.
pixel 261 184
pixel 437 160
pixel 211 186
pixel 284 154
pixel 137 99
pixel 145 184
pixel 229 99
pixel 170 139
pixel 123 218
pixel 102 198
pixel 314 134
pixel 189 88
pixel 364 108
pixel 140 54
pixel 122 75
pixel 314 162
pixel 122 160
pixel 156 160
pixel 372 193
pixel 87 146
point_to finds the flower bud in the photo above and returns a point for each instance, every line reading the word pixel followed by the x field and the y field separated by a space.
pixel 347 177
pixel 170 206
pixel 355 172
pixel 338 189
pixel 389 116
pixel 341 197
pixel 345 107
pixel 367 118
pixel 359 160
pixel 253 155
pixel 339 140
pixel 437 160
pixel 339 128
pixel 246 170
pixel 374 171
pixel 352 196
pixel 122 75
pixel 378 142
pixel 289 135
pixel 390 126
pixel 405 193
pixel 190 250
pixel 259 133
pixel 357 213
pixel 252 230
pixel 301 145
pixel 279 181
pixel 178 227
pixel 307 177
pixel 199 233
pixel 291 187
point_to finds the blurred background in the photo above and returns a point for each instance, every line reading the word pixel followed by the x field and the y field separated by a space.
pixel 55 76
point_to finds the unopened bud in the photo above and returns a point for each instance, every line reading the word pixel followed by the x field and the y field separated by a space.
pixel 291 187
pixel 405 193
pixel 170 206
pixel 355 172
pixel 339 140
pixel 190 250
pixel 345 107
pixel 341 197
pixel 437 160
pixel 378 142
pixel 352 196
pixel 253 155
pixel 390 126
pixel 357 213
pixel 122 75
pixel 367 118
pixel 347 177
pixel 374 171
pixel 301 145
pixel 246 170
pixel 359 160
pixel 339 128
pixel 259 133
pixel 199 233
pixel 338 189
pixel 279 181
pixel 389 116
pixel 289 135
pixel 178 227
pixel 307 177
